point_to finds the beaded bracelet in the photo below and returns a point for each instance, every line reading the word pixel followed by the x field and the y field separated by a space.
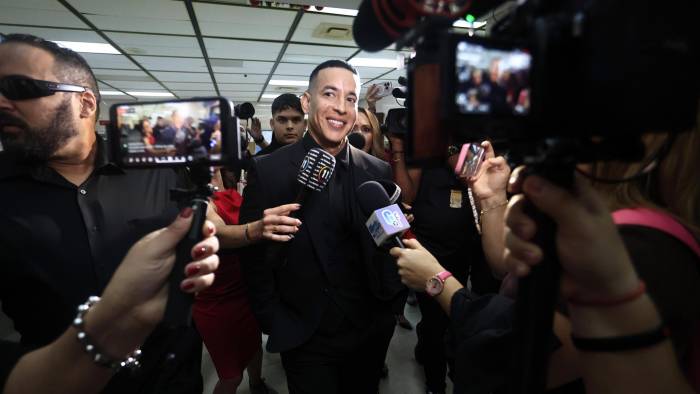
pixel 131 361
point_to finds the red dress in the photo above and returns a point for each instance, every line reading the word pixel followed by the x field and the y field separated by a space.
pixel 221 312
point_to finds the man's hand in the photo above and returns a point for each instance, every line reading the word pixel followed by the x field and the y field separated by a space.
pixel 416 265
pixel 256 130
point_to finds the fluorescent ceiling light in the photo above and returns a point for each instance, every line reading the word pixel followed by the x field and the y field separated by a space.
pixel 287 82
pixel 270 96
pixel 335 11
pixel 467 25
pixel 88 47
pixel 372 62
pixel 150 94
pixel 111 93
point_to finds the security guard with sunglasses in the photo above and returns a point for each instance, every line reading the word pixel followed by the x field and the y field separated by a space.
pixel 72 215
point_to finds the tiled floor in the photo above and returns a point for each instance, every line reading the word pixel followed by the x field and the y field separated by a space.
pixel 405 375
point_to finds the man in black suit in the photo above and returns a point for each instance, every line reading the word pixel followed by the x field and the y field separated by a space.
pixel 325 300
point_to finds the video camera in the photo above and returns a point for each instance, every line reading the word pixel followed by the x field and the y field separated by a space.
pixel 599 73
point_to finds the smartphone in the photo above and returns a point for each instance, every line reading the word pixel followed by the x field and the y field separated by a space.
pixel 174 133
pixel 470 158
pixel 384 89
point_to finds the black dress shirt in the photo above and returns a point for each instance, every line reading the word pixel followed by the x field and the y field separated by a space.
pixel 68 240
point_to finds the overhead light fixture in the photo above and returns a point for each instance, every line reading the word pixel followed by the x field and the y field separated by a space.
pixel 336 11
pixel 288 82
pixel 374 62
pixel 88 47
pixel 150 94
pixel 111 93
pixel 469 25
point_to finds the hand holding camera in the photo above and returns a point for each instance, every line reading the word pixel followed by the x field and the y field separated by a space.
pixel 490 176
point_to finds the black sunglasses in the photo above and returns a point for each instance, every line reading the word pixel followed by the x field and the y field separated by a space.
pixel 17 87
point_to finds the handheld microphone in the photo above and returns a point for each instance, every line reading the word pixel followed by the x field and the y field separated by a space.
pixel 315 172
pixel 400 92
pixel 386 221
pixel 356 140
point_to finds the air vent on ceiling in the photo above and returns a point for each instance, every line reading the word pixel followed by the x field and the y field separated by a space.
pixel 226 63
pixel 333 31
pixel 288 89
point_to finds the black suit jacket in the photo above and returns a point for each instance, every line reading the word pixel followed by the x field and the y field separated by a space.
pixel 288 291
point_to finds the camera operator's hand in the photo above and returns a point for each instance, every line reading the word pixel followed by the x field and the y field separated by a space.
pixel 593 257
pixel 134 300
pixel 489 184
pixel 276 224
pixel 416 264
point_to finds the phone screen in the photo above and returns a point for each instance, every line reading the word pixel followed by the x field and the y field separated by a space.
pixel 171 133
pixel 492 81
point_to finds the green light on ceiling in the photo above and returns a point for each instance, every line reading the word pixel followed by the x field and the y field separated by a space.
pixel 470 18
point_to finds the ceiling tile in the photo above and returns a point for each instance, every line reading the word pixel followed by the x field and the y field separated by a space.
pixel 295 69
pixel 144 44
pixel 241 87
pixel 54 34
pixel 167 76
pixel 190 85
pixel 240 49
pixel 310 21
pixel 297 53
pixel 371 72
pixel 245 66
pixel 194 93
pixel 241 78
pixel 134 85
pixel 38 13
pixel 120 75
pixel 152 16
pixel 243 22
pixel 96 60
pixel 171 63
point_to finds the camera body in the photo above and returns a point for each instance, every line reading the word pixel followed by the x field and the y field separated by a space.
pixel 584 71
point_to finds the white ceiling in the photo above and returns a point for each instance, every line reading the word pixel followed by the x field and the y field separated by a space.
pixel 160 52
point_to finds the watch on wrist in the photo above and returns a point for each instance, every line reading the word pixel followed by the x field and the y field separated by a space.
pixel 436 284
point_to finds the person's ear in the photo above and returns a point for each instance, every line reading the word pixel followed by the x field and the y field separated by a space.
pixel 88 104
pixel 305 101
pixel 272 123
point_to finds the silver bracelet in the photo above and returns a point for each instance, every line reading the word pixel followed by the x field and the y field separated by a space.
pixel 131 361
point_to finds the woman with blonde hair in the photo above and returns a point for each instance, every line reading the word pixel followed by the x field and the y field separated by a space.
pixel 368 125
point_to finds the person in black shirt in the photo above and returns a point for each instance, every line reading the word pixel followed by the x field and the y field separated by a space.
pixel 287 123
pixel 326 301
pixel 72 213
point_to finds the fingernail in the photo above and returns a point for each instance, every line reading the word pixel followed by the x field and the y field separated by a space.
pixel 210 229
pixel 291 236
pixel 187 285
pixel 535 185
pixel 186 212
pixel 200 252
pixel 531 255
pixel 298 222
pixel 193 269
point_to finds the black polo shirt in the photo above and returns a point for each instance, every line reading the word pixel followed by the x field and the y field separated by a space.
pixel 68 240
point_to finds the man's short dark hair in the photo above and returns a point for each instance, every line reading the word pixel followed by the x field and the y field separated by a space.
pixel 286 101
pixel 331 64
pixel 69 67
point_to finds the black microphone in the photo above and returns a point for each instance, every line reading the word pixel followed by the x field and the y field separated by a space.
pixel 356 140
pixel 244 110
pixel 386 221
pixel 368 32
pixel 393 191
pixel 400 92
pixel 315 172
pixel 403 81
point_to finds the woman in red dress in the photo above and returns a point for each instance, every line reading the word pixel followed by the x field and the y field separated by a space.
pixel 222 313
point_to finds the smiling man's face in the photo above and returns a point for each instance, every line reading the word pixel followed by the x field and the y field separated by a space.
pixel 331 103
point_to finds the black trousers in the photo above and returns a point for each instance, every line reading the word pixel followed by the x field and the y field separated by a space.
pixel 433 328
pixel 340 358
